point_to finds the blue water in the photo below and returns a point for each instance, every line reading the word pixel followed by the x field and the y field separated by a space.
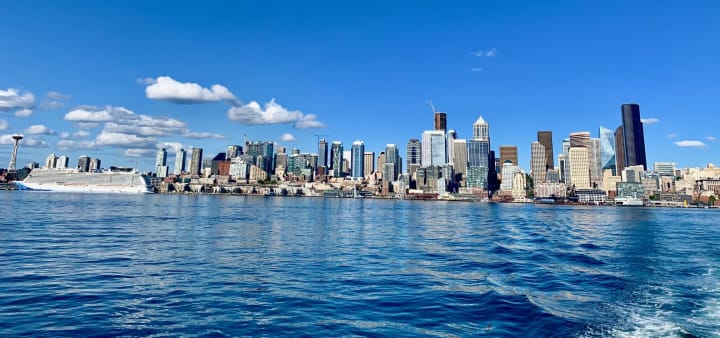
pixel 168 265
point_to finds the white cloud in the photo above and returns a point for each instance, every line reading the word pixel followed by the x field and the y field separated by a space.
pixel 651 120
pixel 171 147
pixel 24 112
pixel 39 129
pixel 57 96
pixel 76 145
pixel 64 135
pixel 710 138
pixel 477 69
pixel 287 137
pixel 88 115
pixel 12 99
pixel 491 53
pixel 4 125
pixel 167 89
pixel 123 140
pixel 139 152
pixel 146 81
pixel 690 144
pixel 672 135
pixel 81 134
pixel 52 104
pixel 486 53
pixel 203 135
pixel 272 113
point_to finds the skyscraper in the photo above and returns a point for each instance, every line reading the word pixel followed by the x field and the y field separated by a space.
pixel 369 162
pixel 83 163
pixel 180 161
pixel 633 135
pixel 545 138
pixel 94 165
pixel 580 139
pixel 392 155
pixel 607 149
pixel 62 162
pixel 196 162
pixel 440 121
pixel 51 161
pixel 481 130
pixel 233 151
pixel 322 153
pixel 619 151
pixel 336 158
pixel 538 162
pixel 414 154
pixel 358 160
pixel 566 155
pixel 508 153
pixel 449 144
pixel 595 159
pixel 433 149
pixel 460 157
pixel 580 167
pixel 161 157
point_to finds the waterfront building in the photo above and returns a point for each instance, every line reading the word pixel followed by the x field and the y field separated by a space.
pixel 196 162
pixel 336 158
pixel 518 185
pixel 449 145
pixel 460 157
pixel 413 154
pixel 630 190
pixel 322 153
pixel 619 150
pixel 609 182
pixel 62 162
pixel 547 190
pixel 538 162
pixel 240 169
pixel 545 138
pixel 508 173
pixel 508 153
pixel 50 161
pixel 665 168
pixel 476 177
pixel 180 161
pixel 552 176
pixel 651 183
pixel 369 162
pixel 580 167
pixel 83 163
pixel 607 149
pixel 433 149
pixel 633 135
pixel 595 161
pixel 392 155
pixel 95 165
pixel 358 160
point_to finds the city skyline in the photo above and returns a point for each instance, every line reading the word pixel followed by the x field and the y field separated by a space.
pixel 121 100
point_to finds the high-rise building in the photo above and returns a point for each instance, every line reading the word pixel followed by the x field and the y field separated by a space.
pixel 413 156
pixel 449 144
pixel 508 172
pixel 580 167
pixel 161 157
pixel 392 155
pixel 51 161
pixel 619 151
pixel 508 153
pixel 322 153
pixel 477 153
pixel 433 149
pixel 180 161
pixel 481 130
pixel 580 139
pixel 369 162
pixel 440 121
pixel 336 158
pixel 83 163
pixel 358 159
pixel 233 151
pixel 381 162
pixel 665 168
pixel 538 162
pixel 492 175
pixel 264 149
pixel 62 162
pixel 595 161
pixel 633 135
pixel 561 167
pixel 567 179
pixel 460 157
pixel 607 149
pixel 545 138
pixel 94 165
pixel 196 162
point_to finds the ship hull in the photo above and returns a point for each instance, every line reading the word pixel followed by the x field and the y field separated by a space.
pixel 83 182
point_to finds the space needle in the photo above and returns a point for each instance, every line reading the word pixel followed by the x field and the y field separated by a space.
pixel 13 158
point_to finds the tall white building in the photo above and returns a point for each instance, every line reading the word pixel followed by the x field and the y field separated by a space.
pixel 538 162
pixel 481 130
pixel 180 161
pixel 433 148
pixel 580 167
pixel 62 162
pixel 50 161
pixel 450 144
pixel 508 174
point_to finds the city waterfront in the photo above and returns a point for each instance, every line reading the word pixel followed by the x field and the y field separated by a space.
pixel 221 265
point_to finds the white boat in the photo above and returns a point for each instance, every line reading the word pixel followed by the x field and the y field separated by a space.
pixel 115 180
pixel 629 201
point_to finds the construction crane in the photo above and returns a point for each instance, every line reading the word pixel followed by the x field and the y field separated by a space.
pixel 432 106
pixel 319 136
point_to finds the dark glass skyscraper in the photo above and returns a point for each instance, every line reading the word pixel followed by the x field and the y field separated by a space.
pixel 633 135
pixel 440 121
pixel 545 138
pixel 619 151
pixel 322 153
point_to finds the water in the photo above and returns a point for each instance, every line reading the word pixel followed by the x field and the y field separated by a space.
pixel 166 265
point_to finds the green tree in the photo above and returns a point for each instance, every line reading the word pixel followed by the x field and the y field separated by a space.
pixel 711 200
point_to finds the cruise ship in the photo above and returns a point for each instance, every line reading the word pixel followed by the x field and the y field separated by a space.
pixel 114 180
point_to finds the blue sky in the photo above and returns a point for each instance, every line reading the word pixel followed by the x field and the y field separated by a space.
pixel 116 80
